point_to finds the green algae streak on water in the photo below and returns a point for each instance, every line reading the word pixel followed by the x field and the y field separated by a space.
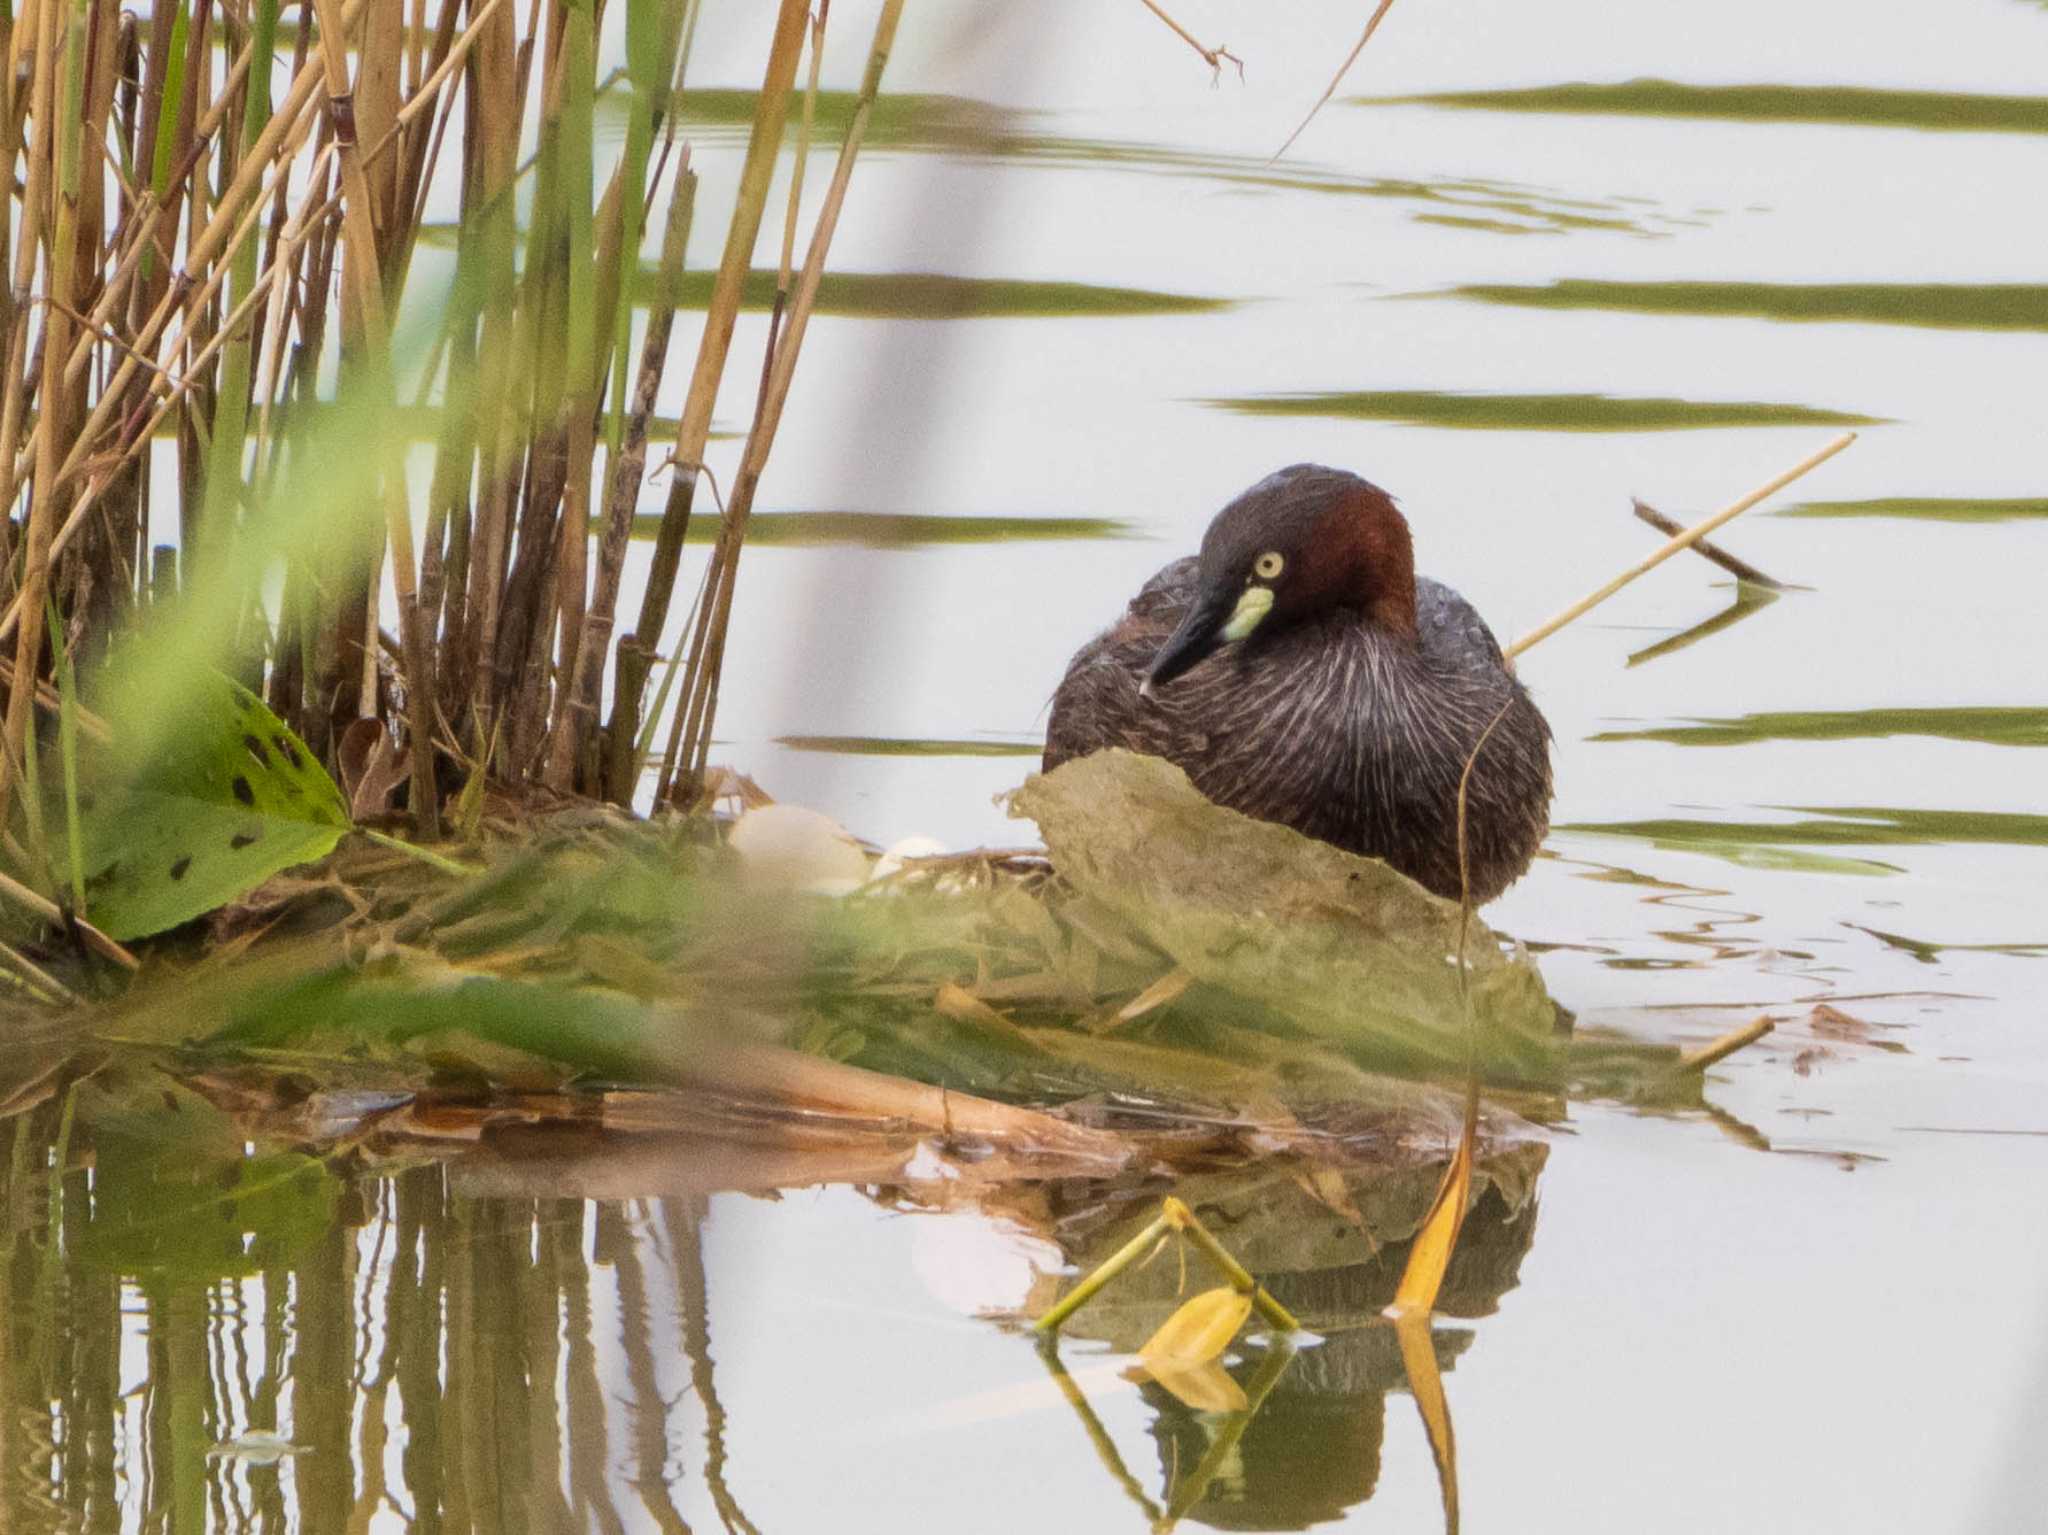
pixel 1539 412
pixel 1848 105
pixel 1944 306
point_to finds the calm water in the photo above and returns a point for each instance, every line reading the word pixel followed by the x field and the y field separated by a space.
pixel 1817 1309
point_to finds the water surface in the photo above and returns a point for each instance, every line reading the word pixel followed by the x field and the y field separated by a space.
pixel 1817 1307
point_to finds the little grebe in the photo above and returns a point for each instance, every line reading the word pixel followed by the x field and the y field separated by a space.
pixel 1299 671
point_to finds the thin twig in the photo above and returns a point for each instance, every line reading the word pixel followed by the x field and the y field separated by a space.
pixel 14 890
pixel 1741 569
pixel 1683 541
pixel 1726 1045
pixel 1214 57
pixel 1337 79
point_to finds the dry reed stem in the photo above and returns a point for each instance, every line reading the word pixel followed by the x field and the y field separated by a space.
pixel 1726 1045
pixel 14 890
pixel 803 158
pixel 115 294
pixel 598 324
pixel 365 269
pixel 1679 544
pixel 498 96
pixel 1372 25
pixel 1741 569
pixel 706 665
pixel 623 491
pixel 1214 57
pixel 214 242
pixel 693 431
pixel 45 151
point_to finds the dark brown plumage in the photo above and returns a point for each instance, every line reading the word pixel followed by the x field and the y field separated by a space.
pixel 1349 708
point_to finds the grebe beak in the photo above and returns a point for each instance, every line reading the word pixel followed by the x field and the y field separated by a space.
pixel 1217 619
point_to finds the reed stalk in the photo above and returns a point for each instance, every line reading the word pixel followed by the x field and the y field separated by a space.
pixel 189 188
pixel 771 111
pixel 699 705
pixel 52 153
pixel 1679 543
pixel 364 268
pixel 618 778
pixel 580 406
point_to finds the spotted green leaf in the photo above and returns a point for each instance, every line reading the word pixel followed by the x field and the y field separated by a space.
pixel 229 797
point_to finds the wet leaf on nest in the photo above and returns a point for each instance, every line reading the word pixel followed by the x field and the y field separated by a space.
pixel 1199 1331
pixel 1337 944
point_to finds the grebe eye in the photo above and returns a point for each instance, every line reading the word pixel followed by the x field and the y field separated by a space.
pixel 1269 564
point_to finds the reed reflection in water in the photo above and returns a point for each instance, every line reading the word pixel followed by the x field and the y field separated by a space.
pixel 202 1332
pixel 425 1361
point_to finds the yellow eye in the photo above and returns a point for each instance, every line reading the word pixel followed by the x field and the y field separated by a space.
pixel 1269 565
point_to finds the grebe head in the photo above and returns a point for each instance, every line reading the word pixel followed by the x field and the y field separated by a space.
pixel 1302 542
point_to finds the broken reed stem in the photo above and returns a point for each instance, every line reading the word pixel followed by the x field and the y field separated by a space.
pixel 1683 541
pixel 1213 57
pixel 1720 1049
pixel 1741 569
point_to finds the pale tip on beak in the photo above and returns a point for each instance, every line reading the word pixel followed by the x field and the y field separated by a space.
pixel 1145 691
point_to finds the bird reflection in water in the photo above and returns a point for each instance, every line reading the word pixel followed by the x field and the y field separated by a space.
pixel 1306 1445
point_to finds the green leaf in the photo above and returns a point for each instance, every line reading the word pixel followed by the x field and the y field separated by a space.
pixel 1343 948
pixel 230 797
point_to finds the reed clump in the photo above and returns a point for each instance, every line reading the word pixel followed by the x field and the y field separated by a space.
pixel 221 332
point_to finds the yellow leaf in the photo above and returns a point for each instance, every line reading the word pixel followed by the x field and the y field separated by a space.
pixel 1162 991
pixel 1418 1357
pixel 1438 1238
pixel 1202 1387
pixel 964 1006
pixel 1199 1331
